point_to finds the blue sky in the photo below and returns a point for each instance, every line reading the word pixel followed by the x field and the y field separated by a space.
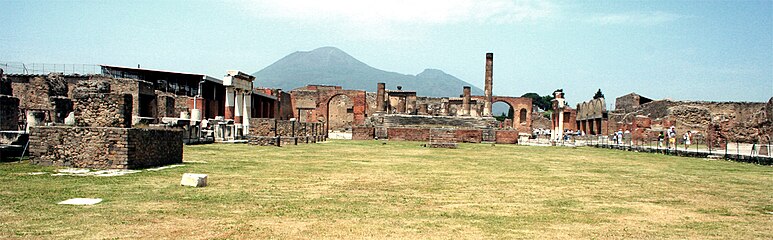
pixel 684 50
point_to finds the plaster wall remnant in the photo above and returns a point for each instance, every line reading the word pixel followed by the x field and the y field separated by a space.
pixel 489 81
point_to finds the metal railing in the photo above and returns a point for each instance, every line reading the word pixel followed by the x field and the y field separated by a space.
pixel 760 152
pixel 45 68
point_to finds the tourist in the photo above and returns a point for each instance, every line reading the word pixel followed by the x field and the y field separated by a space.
pixel 619 136
pixel 672 137
pixel 660 139
pixel 687 141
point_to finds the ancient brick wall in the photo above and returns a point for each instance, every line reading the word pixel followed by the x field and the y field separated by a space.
pixel 370 99
pixel 264 131
pixel 469 135
pixel 363 133
pixel 442 135
pixel 166 106
pixel 181 105
pixel 9 113
pixel 420 121
pixel 629 102
pixel 154 147
pixel 507 136
pixel 262 126
pixel 104 148
pixel 540 121
pixel 143 95
pixel 103 110
pixel 734 121
pixel 408 134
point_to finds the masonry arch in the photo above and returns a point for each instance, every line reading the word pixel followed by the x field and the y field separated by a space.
pixel 522 109
pixel 358 106
pixel 340 113
pixel 502 108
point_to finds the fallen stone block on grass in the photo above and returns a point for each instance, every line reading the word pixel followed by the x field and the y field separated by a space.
pixel 194 180
pixel 81 201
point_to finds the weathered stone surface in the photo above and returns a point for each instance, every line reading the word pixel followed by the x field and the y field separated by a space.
pixel 408 134
pixel 420 121
pixel 716 121
pixel 194 180
pixel 469 135
pixel 104 148
pixel 507 136
pixel 103 110
pixel 269 131
pixel 363 133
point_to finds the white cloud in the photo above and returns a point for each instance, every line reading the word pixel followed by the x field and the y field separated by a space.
pixel 409 12
pixel 648 19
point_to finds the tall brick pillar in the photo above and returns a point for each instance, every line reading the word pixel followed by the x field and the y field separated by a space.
pixel 229 102
pixel 489 85
pixel 466 101
pixel 380 97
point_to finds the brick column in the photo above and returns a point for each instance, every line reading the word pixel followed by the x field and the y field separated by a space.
pixel 380 106
pixel 229 103
pixel 466 101
pixel 489 85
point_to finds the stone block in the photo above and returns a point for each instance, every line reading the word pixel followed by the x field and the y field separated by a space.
pixel 194 180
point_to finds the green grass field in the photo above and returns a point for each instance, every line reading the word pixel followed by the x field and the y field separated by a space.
pixel 363 189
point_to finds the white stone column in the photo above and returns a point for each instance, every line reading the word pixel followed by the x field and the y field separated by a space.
pixel 560 129
pixel 229 102
pixel 238 106
pixel 247 112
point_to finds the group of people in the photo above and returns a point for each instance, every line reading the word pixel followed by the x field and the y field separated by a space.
pixel 568 133
pixel 670 138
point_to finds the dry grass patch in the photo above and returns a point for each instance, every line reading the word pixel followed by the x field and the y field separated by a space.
pixel 363 189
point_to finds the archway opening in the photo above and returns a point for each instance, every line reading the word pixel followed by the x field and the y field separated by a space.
pixel 340 114
pixel 504 113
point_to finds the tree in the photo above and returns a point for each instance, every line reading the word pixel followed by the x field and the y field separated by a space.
pixel 542 102
pixel 598 94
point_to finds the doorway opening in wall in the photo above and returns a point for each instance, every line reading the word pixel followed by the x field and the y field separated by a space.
pixel 340 117
pixel 504 113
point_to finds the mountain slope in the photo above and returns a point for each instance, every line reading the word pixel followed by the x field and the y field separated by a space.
pixel 331 66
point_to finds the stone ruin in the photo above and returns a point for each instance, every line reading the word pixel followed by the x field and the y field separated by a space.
pixel 102 135
pixel 401 115
pixel 715 122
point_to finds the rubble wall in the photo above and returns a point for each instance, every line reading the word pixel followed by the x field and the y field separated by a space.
pixel 104 147
pixel 734 121
pixel 103 110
